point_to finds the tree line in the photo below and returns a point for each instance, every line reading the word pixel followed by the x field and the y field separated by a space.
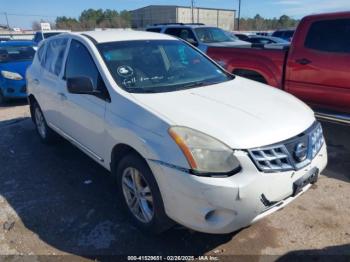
pixel 90 19
pixel 99 18
pixel 258 23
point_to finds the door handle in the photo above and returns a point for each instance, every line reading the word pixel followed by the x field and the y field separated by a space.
pixel 36 82
pixel 62 96
pixel 303 61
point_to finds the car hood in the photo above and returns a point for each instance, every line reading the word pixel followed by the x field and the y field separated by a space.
pixel 17 67
pixel 241 113
pixel 229 44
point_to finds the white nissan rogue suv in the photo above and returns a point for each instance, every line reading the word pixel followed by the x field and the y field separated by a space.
pixel 185 140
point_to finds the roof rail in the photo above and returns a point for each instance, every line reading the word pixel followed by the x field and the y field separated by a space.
pixel 194 24
pixel 168 24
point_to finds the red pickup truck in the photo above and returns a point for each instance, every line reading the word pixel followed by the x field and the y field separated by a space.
pixel 315 67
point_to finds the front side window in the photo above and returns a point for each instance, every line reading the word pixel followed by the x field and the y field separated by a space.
pixel 159 66
pixel 329 36
pixel 80 64
pixel 183 33
pixel 38 37
pixel 54 55
pixel 16 53
pixel 155 30
pixel 212 35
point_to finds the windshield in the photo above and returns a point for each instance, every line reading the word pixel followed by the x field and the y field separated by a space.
pixel 212 35
pixel 152 66
pixel 16 53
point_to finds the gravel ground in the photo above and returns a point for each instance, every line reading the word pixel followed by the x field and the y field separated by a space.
pixel 54 200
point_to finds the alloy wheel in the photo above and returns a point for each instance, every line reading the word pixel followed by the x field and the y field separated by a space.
pixel 138 195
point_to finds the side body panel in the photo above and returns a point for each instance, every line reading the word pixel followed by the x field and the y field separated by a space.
pixel 323 80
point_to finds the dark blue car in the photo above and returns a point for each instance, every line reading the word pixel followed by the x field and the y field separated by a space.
pixel 15 57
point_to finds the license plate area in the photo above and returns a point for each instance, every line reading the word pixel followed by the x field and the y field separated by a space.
pixel 310 177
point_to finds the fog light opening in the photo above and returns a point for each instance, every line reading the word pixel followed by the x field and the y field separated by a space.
pixel 210 215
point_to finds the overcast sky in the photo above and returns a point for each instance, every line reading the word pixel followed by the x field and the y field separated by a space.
pixel 23 12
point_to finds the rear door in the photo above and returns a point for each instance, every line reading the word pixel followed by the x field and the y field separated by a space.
pixel 318 69
pixel 49 80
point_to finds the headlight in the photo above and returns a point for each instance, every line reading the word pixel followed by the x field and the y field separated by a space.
pixel 11 75
pixel 204 153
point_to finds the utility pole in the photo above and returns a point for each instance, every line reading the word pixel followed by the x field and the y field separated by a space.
pixel 7 21
pixel 192 10
pixel 239 14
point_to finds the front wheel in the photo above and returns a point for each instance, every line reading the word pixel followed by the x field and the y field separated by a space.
pixel 2 98
pixel 140 195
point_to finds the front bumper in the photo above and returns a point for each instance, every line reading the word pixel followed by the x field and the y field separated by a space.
pixel 224 205
pixel 13 88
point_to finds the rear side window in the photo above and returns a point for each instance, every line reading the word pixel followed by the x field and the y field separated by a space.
pixel 277 34
pixel 183 33
pixel 329 36
pixel 38 37
pixel 41 52
pixel 54 55
pixel 80 63
pixel 155 30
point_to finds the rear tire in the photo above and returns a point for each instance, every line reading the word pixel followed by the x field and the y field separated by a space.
pixel 46 134
pixel 140 195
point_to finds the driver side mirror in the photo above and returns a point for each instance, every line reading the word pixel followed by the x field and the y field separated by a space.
pixel 81 85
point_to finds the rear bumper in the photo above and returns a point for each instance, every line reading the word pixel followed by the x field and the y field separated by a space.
pixel 224 205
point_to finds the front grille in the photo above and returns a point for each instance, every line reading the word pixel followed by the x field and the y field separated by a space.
pixel 292 154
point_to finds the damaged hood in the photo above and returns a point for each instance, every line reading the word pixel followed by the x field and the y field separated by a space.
pixel 241 113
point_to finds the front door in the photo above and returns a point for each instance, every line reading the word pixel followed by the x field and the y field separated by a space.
pixel 83 115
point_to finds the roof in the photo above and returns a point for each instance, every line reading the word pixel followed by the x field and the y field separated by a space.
pixel 17 43
pixel 181 26
pixel 115 35
pixel 328 15
pixel 182 6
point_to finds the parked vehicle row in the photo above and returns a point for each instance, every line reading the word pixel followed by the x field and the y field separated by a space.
pixel 177 131
pixel 15 57
pixel 314 67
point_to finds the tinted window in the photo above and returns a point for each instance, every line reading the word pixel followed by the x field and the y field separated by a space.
pixel 277 34
pixel 38 37
pixel 183 33
pixel 47 35
pixel 54 55
pixel 41 52
pixel 80 63
pixel 212 35
pixel 16 53
pixel 159 66
pixel 288 34
pixel 329 36
pixel 155 30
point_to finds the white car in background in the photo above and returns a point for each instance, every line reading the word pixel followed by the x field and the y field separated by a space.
pixel 186 141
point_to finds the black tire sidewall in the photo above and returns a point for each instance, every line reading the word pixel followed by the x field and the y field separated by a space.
pixel 2 98
pixel 160 222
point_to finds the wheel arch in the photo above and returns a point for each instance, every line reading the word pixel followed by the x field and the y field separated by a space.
pixel 250 74
pixel 119 151
pixel 31 101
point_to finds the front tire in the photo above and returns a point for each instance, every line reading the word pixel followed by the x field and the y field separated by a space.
pixel 46 134
pixel 3 99
pixel 140 195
